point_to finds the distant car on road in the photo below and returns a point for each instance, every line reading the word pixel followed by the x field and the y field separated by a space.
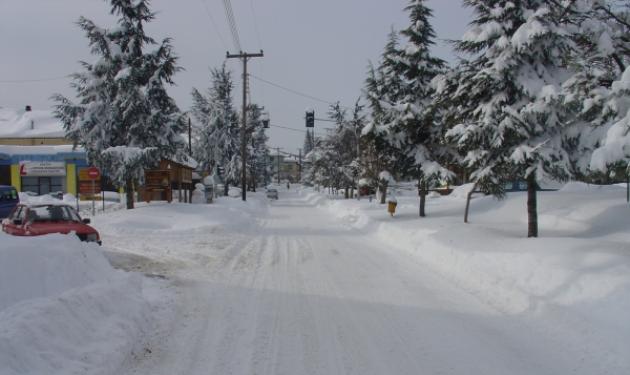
pixel 40 219
pixel 272 193
pixel 9 198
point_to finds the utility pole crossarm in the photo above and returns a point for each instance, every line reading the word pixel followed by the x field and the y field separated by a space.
pixel 244 56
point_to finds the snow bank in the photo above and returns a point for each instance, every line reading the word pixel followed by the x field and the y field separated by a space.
pixel 575 277
pixel 64 309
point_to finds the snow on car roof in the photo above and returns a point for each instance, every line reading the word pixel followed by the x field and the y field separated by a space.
pixel 47 203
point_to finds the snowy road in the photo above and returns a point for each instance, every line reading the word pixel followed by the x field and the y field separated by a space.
pixel 301 293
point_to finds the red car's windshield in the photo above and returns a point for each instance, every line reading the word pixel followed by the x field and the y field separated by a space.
pixel 52 213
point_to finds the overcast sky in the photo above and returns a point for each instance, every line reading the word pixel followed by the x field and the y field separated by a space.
pixel 320 48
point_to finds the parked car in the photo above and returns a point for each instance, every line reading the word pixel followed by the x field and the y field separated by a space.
pixel 40 219
pixel 272 193
pixel 9 198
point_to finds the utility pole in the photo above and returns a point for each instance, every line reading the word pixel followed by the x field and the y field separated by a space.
pixel 189 137
pixel 300 165
pixel 244 57
pixel 278 160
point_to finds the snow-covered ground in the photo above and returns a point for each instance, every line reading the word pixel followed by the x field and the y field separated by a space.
pixel 65 310
pixel 310 284
pixel 574 280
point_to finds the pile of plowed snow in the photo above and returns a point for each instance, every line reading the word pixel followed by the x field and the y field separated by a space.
pixel 64 309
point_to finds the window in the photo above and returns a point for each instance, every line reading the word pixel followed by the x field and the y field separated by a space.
pixel 19 213
pixel 8 195
pixel 42 185
pixel 52 213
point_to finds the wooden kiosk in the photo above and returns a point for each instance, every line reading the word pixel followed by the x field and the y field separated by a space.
pixel 168 178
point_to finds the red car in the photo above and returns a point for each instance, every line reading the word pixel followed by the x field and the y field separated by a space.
pixel 39 219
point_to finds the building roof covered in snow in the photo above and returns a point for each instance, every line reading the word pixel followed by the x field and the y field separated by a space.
pixel 40 123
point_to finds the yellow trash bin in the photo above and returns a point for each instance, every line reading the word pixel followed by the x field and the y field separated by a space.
pixel 391 207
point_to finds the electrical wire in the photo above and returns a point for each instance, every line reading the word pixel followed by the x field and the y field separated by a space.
pixel 295 130
pixel 35 80
pixel 229 14
pixel 260 66
pixel 214 24
pixel 258 38
pixel 296 92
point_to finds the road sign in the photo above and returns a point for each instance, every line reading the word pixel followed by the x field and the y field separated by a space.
pixel 86 188
pixel 93 173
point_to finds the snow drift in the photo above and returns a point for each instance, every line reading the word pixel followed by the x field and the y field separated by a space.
pixel 575 277
pixel 64 309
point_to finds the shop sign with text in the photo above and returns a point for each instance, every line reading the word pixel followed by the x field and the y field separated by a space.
pixel 42 168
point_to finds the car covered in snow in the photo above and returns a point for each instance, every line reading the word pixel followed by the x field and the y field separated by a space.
pixel 40 219
pixel 272 193
pixel 9 198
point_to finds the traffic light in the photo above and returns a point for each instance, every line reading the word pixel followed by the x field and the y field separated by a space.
pixel 310 119
pixel 265 120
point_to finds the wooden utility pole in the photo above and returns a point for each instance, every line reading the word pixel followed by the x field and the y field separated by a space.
pixel 244 57
pixel 189 137
pixel 278 157
pixel 300 165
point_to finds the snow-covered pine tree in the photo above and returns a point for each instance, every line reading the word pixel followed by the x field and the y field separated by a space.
pixel 309 145
pixel 355 127
pixel 600 91
pixel 258 150
pixel 416 125
pixel 517 126
pixel 217 130
pixel 344 141
pixel 382 91
pixel 125 118
pixel 309 142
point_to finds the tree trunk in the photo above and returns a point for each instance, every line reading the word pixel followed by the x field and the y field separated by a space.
pixel 532 212
pixel 346 192
pixel 423 196
pixel 129 193
pixel 226 189
pixel 383 193
pixel 468 197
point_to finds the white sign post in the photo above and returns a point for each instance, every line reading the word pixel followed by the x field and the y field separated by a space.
pixel 93 174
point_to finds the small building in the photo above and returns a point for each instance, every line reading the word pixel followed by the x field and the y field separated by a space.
pixel 41 169
pixel 167 179
pixel 35 156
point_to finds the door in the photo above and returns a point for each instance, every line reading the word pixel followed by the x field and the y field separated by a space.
pixel 11 226
pixel 5 175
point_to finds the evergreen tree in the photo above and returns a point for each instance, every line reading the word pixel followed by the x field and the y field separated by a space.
pixel 258 150
pixel 417 128
pixel 382 91
pixel 309 142
pixel 600 90
pixel 125 119
pixel 517 125
pixel 217 130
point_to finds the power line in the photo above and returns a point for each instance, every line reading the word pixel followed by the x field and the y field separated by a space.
pixel 293 129
pixel 35 80
pixel 229 14
pixel 260 46
pixel 214 24
pixel 296 92
pixel 258 38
